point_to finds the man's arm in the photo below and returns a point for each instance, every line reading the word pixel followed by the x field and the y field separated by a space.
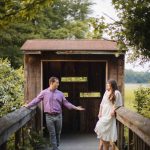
pixel 71 106
pixel 35 101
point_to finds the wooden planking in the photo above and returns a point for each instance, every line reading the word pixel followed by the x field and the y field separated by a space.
pixel 89 117
pixel 33 82
pixel 112 69
pixel 95 72
pixel 64 65
pixel 32 76
pixel 120 75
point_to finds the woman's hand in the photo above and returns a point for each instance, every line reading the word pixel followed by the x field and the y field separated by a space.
pixel 99 115
pixel 112 113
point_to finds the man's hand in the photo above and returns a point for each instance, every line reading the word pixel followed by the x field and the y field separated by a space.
pixel 25 105
pixel 80 108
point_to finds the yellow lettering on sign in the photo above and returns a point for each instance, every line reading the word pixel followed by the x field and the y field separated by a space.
pixel 74 79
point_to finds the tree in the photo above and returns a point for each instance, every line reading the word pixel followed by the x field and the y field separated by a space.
pixel 64 19
pixel 137 77
pixel 97 26
pixel 133 28
pixel 11 87
pixel 142 101
pixel 12 10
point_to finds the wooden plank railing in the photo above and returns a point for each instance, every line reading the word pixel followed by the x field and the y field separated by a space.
pixel 138 133
pixel 138 130
pixel 12 123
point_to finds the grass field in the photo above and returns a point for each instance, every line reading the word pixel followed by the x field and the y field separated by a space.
pixel 129 94
pixel 129 99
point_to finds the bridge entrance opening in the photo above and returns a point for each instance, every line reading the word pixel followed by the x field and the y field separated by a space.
pixel 83 83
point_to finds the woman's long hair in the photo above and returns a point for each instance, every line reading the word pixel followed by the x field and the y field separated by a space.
pixel 114 87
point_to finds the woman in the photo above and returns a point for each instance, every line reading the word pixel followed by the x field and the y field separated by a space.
pixel 106 129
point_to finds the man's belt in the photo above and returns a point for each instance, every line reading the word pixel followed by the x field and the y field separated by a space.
pixel 52 113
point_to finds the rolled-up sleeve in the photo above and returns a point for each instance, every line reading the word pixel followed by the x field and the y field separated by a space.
pixel 36 100
pixel 118 101
pixel 68 104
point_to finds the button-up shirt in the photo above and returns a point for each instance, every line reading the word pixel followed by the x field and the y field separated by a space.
pixel 52 101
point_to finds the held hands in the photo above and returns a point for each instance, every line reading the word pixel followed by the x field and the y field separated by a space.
pixel 80 108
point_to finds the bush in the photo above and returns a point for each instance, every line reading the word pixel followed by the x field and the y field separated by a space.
pixel 142 101
pixel 11 87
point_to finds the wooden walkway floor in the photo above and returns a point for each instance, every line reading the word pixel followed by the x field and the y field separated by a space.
pixel 78 142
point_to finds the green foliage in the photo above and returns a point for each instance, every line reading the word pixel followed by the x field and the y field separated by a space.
pixel 12 38
pixel 142 101
pixel 29 140
pixel 98 27
pixel 11 87
pixel 137 77
pixel 129 95
pixel 37 140
pixel 12 10
pixel 64 19
pixel 133 28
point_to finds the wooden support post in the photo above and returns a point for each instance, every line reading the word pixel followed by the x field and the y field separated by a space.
pixel 22 135
pixel 130 140
pixel 17 139
pixel 120 141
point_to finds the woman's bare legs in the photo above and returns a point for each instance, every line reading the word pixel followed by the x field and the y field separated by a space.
pixel 106 145
pixel 113 146
pixel 100 145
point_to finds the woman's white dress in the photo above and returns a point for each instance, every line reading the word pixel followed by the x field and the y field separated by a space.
pixel 106 126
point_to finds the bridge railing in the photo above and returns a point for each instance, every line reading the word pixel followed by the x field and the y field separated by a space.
pixel 138 128
pixel 12 123
pixel 135 127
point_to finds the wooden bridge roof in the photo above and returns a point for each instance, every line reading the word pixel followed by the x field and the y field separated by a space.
pixel 52 45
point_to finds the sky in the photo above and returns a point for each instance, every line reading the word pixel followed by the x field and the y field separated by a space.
pixel 105 8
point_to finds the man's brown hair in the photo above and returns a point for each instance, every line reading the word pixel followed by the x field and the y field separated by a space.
pixel 52 79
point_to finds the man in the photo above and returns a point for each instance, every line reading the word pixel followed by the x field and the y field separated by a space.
pixel 53 100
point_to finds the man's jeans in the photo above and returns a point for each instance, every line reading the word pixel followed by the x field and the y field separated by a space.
pixel 54 125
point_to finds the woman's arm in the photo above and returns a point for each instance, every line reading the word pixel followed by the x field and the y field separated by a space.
pixel 118 102
pixel 101 105
pixel 100 111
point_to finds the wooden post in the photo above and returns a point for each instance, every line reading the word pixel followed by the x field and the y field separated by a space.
pixel 120 141
pixel 17 139
pixel 130 140
pixel 22 134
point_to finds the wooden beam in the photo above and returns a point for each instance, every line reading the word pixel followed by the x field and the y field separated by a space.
pixel 32 52
pixel 12 122
pixel 135 122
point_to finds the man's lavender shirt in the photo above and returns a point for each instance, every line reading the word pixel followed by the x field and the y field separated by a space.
pixel 52 101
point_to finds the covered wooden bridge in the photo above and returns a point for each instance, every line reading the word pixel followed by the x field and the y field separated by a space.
pixel 83 67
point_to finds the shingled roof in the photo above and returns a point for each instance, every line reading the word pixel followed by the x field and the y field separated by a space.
pixel 85 45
